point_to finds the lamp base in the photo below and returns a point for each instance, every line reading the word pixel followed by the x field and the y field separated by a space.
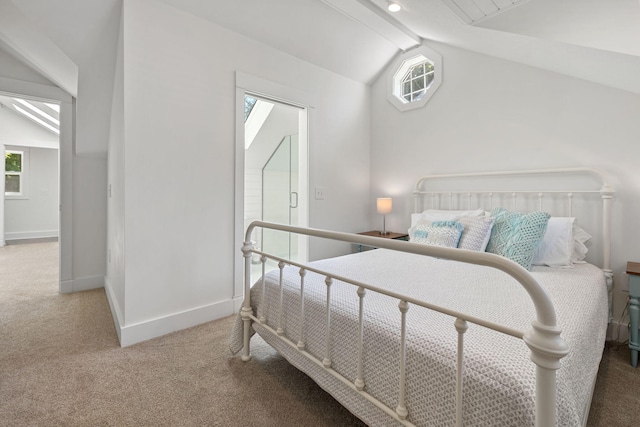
pixel 384 233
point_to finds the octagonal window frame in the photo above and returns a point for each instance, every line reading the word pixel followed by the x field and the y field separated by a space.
pixel 399 69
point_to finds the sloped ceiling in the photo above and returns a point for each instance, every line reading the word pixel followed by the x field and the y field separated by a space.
pixel 597 40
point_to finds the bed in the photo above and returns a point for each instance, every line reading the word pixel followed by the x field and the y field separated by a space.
pixel 417 334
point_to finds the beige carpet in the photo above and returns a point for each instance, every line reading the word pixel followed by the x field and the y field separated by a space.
pixel 60 364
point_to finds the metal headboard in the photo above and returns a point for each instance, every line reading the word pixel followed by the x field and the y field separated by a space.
pixel 464 198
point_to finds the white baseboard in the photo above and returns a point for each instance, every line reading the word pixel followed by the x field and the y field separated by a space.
pixel 82 284
pixel 19 235
pixel 116 312
pixel 618 331
pixel 146 330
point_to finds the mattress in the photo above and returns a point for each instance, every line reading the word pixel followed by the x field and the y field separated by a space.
pixel 499 377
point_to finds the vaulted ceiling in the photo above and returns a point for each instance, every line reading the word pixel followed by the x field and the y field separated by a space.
pixel 598 40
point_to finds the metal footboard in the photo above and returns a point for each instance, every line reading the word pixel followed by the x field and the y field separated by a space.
pixel 543 339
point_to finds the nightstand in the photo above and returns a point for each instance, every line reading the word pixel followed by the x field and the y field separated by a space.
pixel 389 235
pixel 633 270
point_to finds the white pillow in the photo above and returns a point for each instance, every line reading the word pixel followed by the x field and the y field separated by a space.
pixel 476 234
pixel 557 245
pixel 580 237
pixel 431 215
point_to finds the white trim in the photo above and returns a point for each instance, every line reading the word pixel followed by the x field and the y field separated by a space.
pixel 82 284
pixel 18 235
pixel 116 312
pixel 29 90
pixel 146 330
pixel 276 92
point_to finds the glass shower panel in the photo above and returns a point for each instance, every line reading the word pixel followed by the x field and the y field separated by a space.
pixel 280 198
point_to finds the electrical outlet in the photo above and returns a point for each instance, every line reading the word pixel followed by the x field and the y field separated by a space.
pixel 319 193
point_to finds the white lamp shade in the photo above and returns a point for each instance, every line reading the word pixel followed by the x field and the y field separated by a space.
pixel 385 204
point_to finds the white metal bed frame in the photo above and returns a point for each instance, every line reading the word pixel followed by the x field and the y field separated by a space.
pixel 543 339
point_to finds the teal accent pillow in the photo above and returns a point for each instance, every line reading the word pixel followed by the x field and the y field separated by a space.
pixel 516 235
pixel 437 233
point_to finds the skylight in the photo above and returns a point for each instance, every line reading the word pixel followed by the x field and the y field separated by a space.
pixel 249 103
pixel 44 114
pixel 38 111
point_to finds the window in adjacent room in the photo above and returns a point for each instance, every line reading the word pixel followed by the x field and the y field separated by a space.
pixel 416 76
pixel 15 173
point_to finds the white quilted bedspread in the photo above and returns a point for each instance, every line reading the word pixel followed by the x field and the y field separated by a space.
pixel 499 378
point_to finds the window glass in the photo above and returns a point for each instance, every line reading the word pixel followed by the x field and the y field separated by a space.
pixel 414 78
pixel 13 161
pixel 12 184
pixel 14 165
pixel 417 81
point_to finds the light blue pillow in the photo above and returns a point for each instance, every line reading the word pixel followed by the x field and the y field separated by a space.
pixel 516 235
pixel 437 233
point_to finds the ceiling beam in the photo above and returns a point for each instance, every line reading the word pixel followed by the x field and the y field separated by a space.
pixel 378 21
pixel 28 44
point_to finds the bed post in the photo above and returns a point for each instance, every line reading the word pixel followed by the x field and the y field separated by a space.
pixel 246 311
pixel 606 193
pixel 547 348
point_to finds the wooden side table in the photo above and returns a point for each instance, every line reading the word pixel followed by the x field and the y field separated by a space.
pixel 389 235
pixel 633 270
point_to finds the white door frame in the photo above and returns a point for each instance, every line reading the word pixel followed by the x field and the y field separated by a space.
pixel 54 94
pixel 283 94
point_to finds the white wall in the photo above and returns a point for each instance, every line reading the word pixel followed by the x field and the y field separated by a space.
pixel 95 88
pixel 179 96
pixel 36 215
pixel 114 279
pixel 491 114
pixel 14 69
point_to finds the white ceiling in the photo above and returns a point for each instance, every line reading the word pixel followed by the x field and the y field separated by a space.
pixel 598 40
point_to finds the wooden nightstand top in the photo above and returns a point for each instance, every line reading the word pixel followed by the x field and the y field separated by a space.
pixel 633 268
pixel 389 235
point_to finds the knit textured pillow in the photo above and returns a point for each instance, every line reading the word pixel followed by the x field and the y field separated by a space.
pixel 516 236
pixel 476 234
pixel 437 233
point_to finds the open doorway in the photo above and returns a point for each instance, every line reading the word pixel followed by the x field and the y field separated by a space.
pixel 274 162
pixel 30 148
pixel 281 115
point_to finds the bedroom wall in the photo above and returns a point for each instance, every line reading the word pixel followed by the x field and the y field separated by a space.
pixel 178 216
pixel 114 278
pixel 491 114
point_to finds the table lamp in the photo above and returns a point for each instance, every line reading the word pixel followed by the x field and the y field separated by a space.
pixel 384 205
